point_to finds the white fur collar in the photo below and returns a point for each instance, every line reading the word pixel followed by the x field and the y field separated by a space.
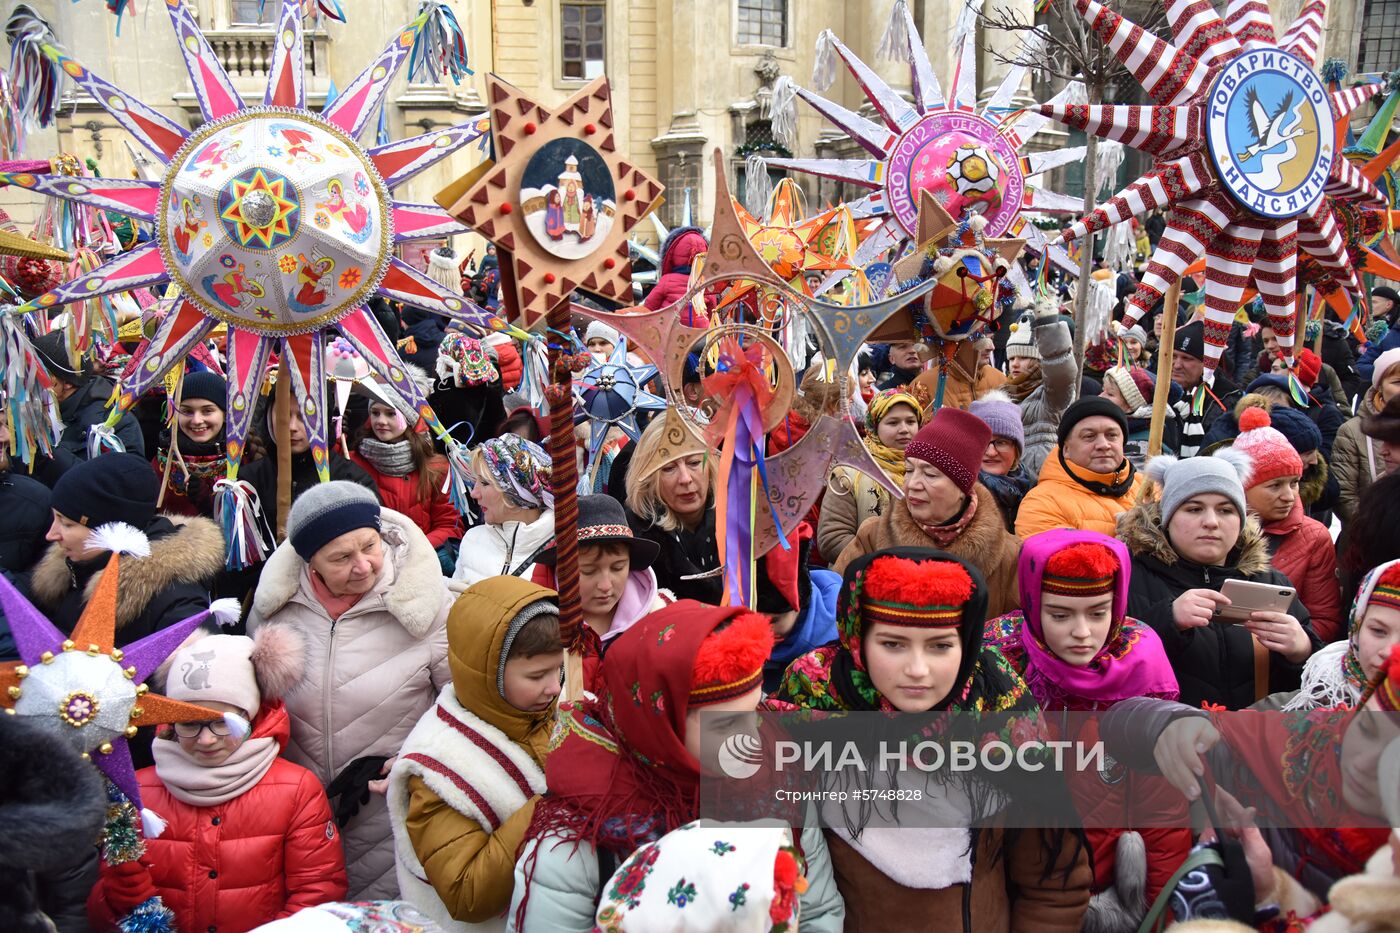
pixel 415 599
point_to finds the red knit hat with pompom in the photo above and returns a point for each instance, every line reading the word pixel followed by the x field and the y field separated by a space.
pixel 730 661
pixel 1085 569
pixel 917 594
pixel 1309 367
pixel 1273 456
pixel 1386 686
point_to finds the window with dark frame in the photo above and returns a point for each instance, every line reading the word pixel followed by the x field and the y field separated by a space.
pixel 247 13
pixel 762 22
pixel 1380 36
pixel 583 30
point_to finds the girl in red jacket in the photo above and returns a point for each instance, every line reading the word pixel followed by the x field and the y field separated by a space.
pixel 250 836
pixel 407 471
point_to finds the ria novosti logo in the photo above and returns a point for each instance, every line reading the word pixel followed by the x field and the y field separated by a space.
pixel 741 755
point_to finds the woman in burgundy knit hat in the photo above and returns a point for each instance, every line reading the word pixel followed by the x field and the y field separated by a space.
pixel 946 508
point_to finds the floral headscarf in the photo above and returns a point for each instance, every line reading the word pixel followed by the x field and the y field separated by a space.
pixel 465 360
pixel 521 469
pixel 833 677
pixel 1334 676
pixel 890 459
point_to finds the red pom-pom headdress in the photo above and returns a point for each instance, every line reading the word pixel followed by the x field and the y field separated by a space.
pixel 1387 591
pixel 1080 570
pixel 918 594
pixel 730 662
pixel 1252 418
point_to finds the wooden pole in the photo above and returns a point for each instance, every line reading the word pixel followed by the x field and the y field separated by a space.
pixel 283 407
pixel 1162 391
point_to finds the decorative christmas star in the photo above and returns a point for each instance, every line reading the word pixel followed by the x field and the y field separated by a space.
pixel 797 475
pixel 86 690
pixel 1243 135
pixel 611 394
pixel 970 159
pixel 558 202
pixel 266 184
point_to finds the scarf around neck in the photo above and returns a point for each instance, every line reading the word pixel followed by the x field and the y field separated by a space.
pixel 1111 490
pixel 890 459
pixel 199 786
pixel 945 534
pixel 394 459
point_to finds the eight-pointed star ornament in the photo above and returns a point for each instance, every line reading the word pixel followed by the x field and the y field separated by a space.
pixel 272 220
pixel 559 200
pixel 611 393
pixel 84 689
pixel 797 475
pixel 1243 134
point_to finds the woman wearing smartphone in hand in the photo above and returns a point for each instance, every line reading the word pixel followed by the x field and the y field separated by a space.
pixel 1184 547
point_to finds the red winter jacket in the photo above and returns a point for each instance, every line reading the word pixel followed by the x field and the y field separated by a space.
pixel 438 519
pixel 677 254
pixel 1303 552
pixel 232 867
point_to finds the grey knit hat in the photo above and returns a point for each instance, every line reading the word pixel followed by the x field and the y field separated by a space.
pixel 536 609
pixel 1226 473
pixel 328 510
pixel 1137 333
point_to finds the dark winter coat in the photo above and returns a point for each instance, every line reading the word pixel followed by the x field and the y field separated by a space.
pixel 470 413
pixel 262 856
pixel 426 330
pixel 1215 663
pixel 1338 354
pixel 24 503
pixel 1366 366
pixel 80 411
pixel 263 476
pixel 52 809
pixel 1008 491
pixel 153 592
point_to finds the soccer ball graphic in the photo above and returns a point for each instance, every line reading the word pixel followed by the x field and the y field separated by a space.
pixel 973 174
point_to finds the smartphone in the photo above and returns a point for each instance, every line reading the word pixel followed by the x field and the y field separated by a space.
pixel 1247 598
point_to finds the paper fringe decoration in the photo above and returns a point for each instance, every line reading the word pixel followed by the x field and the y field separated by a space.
pixel 783 110
pixel 34 423
pixel 758 187
pixel 36 79
pixel 241 516
pixel 102 439
pixel 1108 158
pixel 894 45
pixel 225 611
pixel 439 47
pixel 122 843
pixel 824 66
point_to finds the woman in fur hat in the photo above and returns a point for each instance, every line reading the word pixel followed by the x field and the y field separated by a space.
pixel 250 836
pixel 1184 547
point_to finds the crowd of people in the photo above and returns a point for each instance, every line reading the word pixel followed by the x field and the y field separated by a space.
pixel 405 722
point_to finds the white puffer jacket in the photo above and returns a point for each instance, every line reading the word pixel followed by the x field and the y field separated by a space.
pixel 503 550
pixel 369 676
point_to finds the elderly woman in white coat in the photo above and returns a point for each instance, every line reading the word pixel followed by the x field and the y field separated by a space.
pixel 363 587
pixel 511 488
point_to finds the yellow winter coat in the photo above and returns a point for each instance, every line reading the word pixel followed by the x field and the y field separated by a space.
pixel 471 867
pixel 1057 501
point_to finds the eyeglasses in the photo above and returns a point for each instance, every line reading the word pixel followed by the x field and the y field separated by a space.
pixel 1002 444
pixel 191 730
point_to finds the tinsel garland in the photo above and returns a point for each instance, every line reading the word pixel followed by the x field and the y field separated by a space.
pixel 121 843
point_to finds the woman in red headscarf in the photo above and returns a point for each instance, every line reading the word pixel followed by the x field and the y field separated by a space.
pixel 627 769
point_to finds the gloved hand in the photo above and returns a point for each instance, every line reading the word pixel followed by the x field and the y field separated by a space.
pixel 350 789
pixel 127 886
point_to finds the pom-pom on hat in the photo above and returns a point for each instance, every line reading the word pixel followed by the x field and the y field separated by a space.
pixel 1268 449
pixel 1002 415
pixel 730 661
pixel 1135 385
pixel 1309 367
pixel 1086 569
pixel 954 442
pixel 1224 473
pixel 915 594
pixel 1386 685
pixel 238 670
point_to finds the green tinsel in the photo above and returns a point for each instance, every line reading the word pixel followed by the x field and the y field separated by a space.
pixel 121 837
